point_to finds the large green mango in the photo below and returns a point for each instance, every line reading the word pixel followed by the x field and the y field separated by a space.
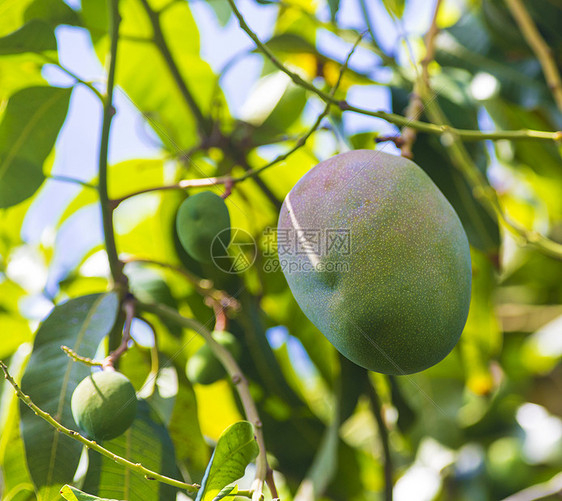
pixel 377 259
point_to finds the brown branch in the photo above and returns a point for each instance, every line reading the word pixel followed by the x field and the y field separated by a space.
pixel 542 51
pixel 113 357
pixel 421 86
pixel 238 379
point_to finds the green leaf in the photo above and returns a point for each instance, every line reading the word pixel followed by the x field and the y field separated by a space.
pixel 28 131
pixel 11 320
pixel 34 36
pixel 351 384
pixel 482 337
pixel 50 379
pixel 235 449
pixel 73 494
pixel 146 442
pixel 185 430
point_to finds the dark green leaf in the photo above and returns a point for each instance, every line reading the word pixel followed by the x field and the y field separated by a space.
pixel 148 286
pixel 146 442
pixel 34 36
pixel 334 7
pixel 185 430
pixel 236 448
pixel 54 12
pixel 28 131
pixel 50 379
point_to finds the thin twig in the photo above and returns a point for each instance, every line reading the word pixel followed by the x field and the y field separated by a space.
pixel 303 139
pixel 415 107
pixel 115 265
pixel 113 357
pixel 540 48
pixel 383 434
pixel 203 285
pixel 79 358
pixel 238 378
pixel 89 85
pixel 67 179
pixel 139 468
pixel 467 135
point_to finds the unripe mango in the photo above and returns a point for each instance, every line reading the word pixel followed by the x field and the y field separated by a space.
pixel 104 405
pixel 203 367
pixel 378 260
pixel 200 219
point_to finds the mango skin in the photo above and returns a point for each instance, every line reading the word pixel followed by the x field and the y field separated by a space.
pixel 199 220
pixel 203 367
pixel 403 303
pixel 104 405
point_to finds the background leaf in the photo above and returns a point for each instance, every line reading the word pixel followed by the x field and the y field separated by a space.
pixel 146 442
pixel 33 36
pixel 51 377
pixel 29 128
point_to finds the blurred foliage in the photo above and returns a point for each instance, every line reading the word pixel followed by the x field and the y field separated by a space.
pixel 482 424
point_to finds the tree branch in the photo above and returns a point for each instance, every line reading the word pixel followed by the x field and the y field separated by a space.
pixel 467 135
pixel 540 48
pixel 115 265
pixel 203 285
pixel 203 124
pixel 90 444
pixel 238 379
pixel 383 433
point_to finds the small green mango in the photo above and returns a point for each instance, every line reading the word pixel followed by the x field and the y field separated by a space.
pixel 377 259
pixel 203 367
pixel 104 405
pixel 200 219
